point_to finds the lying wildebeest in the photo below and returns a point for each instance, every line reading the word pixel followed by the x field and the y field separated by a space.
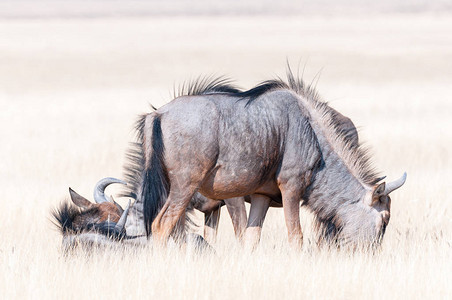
pixel 276 142
pixel 86 220
pixel 105 216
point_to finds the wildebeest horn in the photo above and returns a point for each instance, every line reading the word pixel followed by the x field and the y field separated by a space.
pixel 391 186
pixel 122 221
pixel 99 195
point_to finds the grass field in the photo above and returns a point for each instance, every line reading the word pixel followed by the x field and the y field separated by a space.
pixel 70 91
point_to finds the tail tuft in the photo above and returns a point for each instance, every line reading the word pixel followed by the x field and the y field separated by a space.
pixel 155 184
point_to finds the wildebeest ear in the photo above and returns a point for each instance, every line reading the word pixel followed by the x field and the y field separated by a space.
pixel 79 200
pixel 379 191
pixel 378 179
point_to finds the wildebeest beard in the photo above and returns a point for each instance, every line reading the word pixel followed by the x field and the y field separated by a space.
pixel 339 219
pixel 349 228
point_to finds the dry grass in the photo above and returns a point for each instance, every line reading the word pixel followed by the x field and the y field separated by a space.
pixel 69 94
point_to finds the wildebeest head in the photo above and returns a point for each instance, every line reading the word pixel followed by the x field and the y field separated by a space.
pixel 366 224
pixel 105 216
pixel 102 224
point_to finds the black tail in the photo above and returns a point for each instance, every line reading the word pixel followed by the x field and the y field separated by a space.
pixel 155 184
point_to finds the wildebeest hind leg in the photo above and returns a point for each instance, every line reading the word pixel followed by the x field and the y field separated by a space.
pixel 173 209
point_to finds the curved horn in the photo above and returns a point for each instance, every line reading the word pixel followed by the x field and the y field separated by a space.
pixel 391 186
pixel 122 221
pixel 99 195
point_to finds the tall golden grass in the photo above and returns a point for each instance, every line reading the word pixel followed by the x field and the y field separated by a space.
pixel 70 90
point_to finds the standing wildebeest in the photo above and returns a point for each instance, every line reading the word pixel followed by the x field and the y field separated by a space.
pixel 236 207
pixel 276 142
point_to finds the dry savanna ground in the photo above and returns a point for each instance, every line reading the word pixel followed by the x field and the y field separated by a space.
pixel 71 88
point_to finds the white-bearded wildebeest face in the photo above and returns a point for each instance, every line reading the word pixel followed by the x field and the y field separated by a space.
pixel 105 216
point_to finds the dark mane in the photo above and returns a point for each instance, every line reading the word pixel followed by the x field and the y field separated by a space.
pixel 260 89
pixel 293 83
pixel 214 85
pixel 207 85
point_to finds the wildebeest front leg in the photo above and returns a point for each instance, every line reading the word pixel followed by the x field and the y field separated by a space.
pixel 291 196
pixel 211 220
pixel 258 210
pixel 237 211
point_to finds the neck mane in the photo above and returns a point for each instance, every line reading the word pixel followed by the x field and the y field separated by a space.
pixel 342 178
pixel 345 174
